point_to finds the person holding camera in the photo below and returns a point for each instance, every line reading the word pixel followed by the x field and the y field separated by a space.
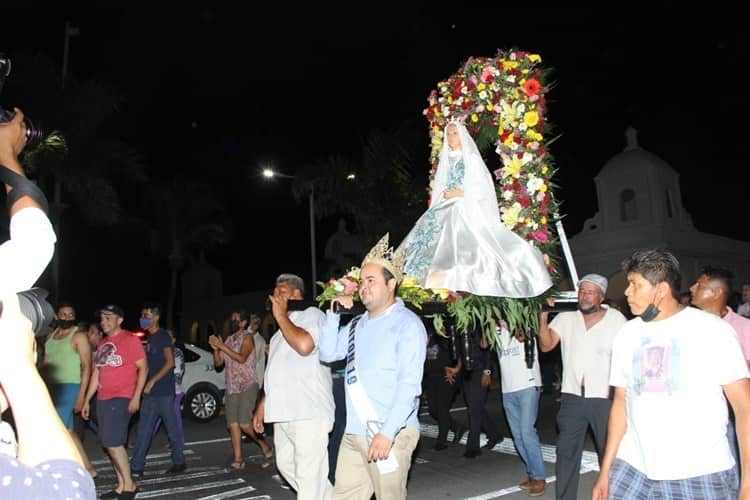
pixel 26 254
pixel 48 464
pixel 521 386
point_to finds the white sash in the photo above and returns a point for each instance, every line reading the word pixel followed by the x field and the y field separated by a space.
pixel 361 402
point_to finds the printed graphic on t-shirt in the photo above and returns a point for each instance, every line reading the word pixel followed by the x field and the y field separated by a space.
pixel 107 355
pixel 656 368
pixel 512 350
pixel 432 352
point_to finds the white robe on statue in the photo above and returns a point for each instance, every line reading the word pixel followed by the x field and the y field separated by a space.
pixel 461 244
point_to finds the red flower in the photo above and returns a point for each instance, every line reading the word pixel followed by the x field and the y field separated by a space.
pixel 524 201
pixel 532 87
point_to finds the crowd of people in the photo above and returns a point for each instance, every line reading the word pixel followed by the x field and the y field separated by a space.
pixel 665 393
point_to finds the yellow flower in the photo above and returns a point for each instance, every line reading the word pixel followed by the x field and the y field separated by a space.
pixel 489 106
pixel 544 169
pixel 513 167
pixel 509 65
pixel 544 220
pixel 531 118
pixel 534 135
pixel 509 141
pixel 527 220
pixel 543 188
pixel 450 99
pixel 408 282
pixel 510 217
pixel 481 87
pixel 474 118
pixel 443 293
pixel 534 57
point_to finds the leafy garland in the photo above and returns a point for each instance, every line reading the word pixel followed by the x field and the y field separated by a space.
pixel 502 101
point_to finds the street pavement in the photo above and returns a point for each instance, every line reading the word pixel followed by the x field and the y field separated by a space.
pixel 434 474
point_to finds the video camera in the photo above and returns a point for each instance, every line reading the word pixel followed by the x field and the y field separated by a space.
pixel 34 135
pixel 33 302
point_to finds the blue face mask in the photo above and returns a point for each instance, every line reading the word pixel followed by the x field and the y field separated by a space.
pixel 145 323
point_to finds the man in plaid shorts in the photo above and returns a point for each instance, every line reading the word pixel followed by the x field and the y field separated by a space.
pixel 671 369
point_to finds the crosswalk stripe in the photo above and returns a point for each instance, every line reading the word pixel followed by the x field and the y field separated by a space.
pixel 589 460
pixel 229 494
pixel 187 489
pixel 505 491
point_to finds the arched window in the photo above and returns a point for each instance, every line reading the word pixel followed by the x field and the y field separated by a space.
pixel 628 208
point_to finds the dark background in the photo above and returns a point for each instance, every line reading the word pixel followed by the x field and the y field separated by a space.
pixel 219 90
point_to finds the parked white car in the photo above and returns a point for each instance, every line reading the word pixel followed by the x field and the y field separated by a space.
pixel 204 387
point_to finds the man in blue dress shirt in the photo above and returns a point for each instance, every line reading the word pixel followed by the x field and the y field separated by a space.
pixel 385 353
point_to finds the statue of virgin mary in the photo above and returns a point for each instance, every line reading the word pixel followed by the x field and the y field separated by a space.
pixel 460 243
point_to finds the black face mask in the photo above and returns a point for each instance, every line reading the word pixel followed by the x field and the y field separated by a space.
pixel 650 313
pixel 234 325
pixel 65 323
pixel 590 310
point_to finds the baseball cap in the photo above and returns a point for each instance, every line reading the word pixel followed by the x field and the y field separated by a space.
pixel 596 279
pixel 112 309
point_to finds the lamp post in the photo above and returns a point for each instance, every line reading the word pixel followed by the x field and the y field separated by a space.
pixel 269 173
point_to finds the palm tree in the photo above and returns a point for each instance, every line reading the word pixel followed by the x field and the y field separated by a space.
pixel 88 165
pixel 384 196
pixel 186 219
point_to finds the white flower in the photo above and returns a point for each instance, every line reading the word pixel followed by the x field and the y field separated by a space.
pixel 533 184
pixel 510 78
pixel 522 127
pixel 339 287
pixel 507 195
pixel 483 95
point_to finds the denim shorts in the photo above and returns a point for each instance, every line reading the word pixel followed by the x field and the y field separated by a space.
pixel 113 418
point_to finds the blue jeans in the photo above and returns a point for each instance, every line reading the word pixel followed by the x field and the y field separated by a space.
pixel 521 409
pixel 153 407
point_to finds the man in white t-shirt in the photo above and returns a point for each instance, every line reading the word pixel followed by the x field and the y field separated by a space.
pixel 585 337
pixel 298 398
pixel 671 367
pixel 521 387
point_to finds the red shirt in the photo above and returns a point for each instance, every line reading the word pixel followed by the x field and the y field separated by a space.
pixel 115 358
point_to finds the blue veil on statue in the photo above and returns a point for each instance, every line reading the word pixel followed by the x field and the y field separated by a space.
pixel 460 243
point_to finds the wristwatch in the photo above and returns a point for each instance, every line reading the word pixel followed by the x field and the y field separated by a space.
pixel 487 372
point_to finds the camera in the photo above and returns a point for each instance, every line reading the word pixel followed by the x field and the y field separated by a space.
pixel 33 304
pixel 34 135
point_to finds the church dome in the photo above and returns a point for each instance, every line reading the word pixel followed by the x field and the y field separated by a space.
pixel 634 158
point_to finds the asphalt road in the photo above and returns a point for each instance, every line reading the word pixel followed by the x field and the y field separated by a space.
pixel 434 475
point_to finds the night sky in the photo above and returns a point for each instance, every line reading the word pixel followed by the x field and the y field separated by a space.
pixel 219 90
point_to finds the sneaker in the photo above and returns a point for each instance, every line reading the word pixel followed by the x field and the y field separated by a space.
pixel 537 487
pixel 176 469
pixel 136 474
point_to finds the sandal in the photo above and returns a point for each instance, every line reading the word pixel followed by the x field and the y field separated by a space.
pixel 236 466
pixel 267 462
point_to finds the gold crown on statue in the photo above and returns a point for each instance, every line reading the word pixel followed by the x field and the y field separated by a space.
pixel 383 255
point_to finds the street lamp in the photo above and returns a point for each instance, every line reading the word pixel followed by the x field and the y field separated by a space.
pixel 269 173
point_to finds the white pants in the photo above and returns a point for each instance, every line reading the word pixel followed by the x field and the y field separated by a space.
pixel 302 456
